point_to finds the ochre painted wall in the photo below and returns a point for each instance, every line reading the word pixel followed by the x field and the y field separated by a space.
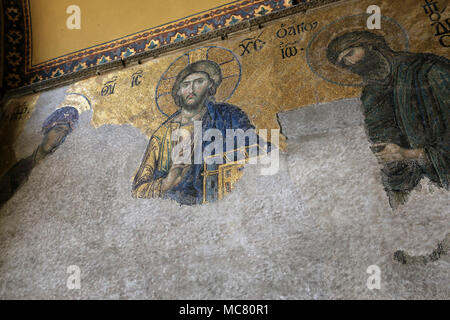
pixel 101 21
pixel 47 39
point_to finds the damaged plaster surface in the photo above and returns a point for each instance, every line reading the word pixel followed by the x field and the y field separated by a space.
pixel 442 249
pixel 338 178
pixel 308 232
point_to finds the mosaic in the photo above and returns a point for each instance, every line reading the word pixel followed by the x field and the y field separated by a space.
pixel 191 100
pixel 20 71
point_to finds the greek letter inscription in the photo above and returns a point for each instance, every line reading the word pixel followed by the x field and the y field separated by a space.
pixel 19 113
pixel 440 24
pixel 294 30
pixel 109 87
pixel 288 50
pixel 136 78
pixel 249 44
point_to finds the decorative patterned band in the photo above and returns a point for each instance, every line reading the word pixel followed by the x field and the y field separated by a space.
pixel 20 72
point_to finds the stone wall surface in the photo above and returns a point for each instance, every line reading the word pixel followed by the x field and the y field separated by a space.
pixel 338 178
pixel 308 232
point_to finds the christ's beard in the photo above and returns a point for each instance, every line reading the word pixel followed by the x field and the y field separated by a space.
pixel 373 66
pixel 194 104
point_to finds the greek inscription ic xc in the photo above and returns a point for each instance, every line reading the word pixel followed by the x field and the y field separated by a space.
pixel 136 78
pixel 250 45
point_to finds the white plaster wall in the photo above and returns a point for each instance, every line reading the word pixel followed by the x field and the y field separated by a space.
pixel 308 232
pixel 338 178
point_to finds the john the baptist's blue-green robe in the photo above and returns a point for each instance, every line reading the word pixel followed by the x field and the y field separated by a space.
pixel 412 110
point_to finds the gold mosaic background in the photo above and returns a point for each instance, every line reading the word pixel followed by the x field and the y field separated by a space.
pixel 269 83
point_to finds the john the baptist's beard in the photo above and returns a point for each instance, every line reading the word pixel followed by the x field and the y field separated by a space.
pixel 372 66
